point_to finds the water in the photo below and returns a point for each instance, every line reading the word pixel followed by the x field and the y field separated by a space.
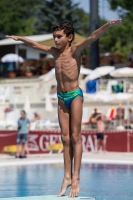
pixel 105 182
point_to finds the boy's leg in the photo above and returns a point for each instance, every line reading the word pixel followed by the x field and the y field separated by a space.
pixel 26 148
pixel 23 150
pixel 104 145
pixel 18 146
pixel 76 118
pixel 18 152
pixel 24 142
pixel 98 144
pixel 64 121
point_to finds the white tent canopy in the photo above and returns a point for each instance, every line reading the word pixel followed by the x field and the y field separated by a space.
pixel 85 71
pixel 11 57
pixel 122 72
pixel 98 72
pixel 49 56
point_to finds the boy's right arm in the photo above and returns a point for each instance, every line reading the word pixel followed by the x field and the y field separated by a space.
pixel 32 43
pixel 97 116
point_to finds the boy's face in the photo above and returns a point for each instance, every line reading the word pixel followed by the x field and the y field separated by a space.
pixel 22 114
pixel 99 118
pixel 60 39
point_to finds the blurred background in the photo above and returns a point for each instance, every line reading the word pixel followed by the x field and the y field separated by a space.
pixel 27 76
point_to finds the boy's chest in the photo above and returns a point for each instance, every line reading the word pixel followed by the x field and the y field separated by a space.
pixel 100 123
pixel 67 65
pixel 65 62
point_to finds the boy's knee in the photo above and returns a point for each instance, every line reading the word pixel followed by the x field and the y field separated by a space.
pixel 76 137
pixel 65 138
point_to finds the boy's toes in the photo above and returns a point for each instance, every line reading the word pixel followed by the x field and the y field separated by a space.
pixel 76 194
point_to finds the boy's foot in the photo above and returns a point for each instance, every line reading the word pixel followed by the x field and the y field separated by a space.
pixel 75 187
pixel 23 156
pixel 17 156
pixel 66 183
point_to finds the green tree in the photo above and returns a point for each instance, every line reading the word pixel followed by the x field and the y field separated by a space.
pixel 50 12
pixel 84 23
pixel 123 7
pixel 116 40
pixel 17 16
pixel 119 39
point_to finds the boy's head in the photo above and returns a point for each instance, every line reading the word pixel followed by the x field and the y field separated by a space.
pixel 99 118
pixel 62 31
pixel 23 113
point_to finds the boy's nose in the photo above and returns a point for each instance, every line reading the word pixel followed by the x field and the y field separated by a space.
pixel 56 39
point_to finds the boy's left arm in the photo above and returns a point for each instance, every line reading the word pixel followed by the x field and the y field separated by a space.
pixel 96 34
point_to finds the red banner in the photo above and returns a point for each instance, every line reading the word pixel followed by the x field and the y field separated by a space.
pixel 38 141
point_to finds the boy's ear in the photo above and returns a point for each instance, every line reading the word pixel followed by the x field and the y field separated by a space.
pixel 70 37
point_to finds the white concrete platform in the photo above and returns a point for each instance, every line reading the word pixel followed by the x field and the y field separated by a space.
pixel 48 197
pixel 122 158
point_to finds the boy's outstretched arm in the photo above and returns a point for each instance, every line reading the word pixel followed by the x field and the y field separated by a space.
pixel 32 43
pixel 96 34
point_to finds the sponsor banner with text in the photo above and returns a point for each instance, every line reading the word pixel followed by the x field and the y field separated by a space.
pixel 38 141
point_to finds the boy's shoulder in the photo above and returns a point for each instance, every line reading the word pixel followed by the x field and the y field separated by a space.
pixel 56 52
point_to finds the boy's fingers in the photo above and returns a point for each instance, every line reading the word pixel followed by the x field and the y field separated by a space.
pixel 8 36
pixel 118 20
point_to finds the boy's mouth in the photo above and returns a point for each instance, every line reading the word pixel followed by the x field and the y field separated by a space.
pixel 57 45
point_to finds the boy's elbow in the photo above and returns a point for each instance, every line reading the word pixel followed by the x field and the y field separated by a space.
pixel 93 38
pixel 34 46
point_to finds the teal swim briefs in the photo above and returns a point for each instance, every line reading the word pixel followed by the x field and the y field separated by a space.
pixel 67 97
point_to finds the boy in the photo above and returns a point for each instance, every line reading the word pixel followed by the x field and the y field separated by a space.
pixel 23 130
pixel 67 68
pixel 100 120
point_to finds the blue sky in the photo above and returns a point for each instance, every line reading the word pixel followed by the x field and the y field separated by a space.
pixel 104 10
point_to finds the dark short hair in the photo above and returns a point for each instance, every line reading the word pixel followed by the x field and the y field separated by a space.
pixel 67 26
pixel 23 111
pixel 99 118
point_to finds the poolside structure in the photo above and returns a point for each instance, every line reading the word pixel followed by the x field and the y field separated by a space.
pixel 47 197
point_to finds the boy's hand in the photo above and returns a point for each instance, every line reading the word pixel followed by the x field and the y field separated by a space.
pixel 13 37
pixel 114 22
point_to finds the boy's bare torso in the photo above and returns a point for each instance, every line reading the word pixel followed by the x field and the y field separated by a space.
pixel 67 68
pixel 100 126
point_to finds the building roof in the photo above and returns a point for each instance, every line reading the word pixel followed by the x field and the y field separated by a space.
pixel 45 39
pixel 36 38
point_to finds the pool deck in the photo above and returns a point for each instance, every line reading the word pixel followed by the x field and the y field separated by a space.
pixel 47 197
pixel 88 157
